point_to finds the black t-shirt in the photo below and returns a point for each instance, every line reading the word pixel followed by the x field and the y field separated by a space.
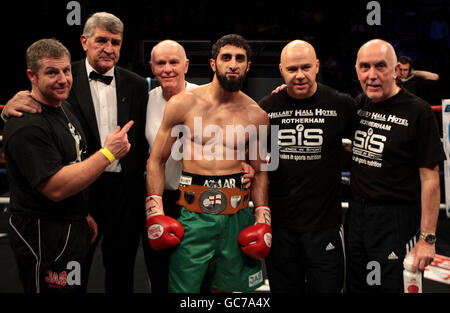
pixel 393 138
pixel 305 190
pixel 36 147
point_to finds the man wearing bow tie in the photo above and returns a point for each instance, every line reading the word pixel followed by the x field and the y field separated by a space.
pixel 103 96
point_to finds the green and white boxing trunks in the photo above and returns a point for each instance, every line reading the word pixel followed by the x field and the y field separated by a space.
pixel 210 244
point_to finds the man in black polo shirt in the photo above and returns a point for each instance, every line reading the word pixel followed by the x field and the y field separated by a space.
pixel 394 176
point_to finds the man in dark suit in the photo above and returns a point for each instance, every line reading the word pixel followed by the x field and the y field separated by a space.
pixel 103 96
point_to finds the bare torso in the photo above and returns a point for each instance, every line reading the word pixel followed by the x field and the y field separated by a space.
pixel 219 133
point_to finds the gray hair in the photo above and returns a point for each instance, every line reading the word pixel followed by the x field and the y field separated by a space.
pixel 105 21
pixel 44 48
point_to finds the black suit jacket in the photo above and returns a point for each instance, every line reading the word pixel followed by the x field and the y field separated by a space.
pixel 132 98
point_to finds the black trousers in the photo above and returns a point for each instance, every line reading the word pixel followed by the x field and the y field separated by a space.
pixel 311 262
pixel 50 254
pixel 118 208
pixel 377 239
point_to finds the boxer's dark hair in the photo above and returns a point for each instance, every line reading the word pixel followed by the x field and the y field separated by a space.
pixel 234 40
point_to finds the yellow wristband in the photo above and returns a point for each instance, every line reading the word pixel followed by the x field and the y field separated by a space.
pixel 107 154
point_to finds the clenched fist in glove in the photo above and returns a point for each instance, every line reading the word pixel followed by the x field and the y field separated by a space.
pixel 163 231
pixel 256 240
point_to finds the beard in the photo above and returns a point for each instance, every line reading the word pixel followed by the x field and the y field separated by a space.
pixel 231 84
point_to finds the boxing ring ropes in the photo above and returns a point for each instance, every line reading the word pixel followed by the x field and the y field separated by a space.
pixel 345 175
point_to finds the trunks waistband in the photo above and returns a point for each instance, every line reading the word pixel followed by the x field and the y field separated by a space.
pixel 220 181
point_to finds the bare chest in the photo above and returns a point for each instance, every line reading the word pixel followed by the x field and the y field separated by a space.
pixel 229 128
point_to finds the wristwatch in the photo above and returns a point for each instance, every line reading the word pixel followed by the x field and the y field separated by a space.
pixel 429 238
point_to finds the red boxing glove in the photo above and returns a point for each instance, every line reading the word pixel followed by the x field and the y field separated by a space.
pixel 163 232
pixel 256 240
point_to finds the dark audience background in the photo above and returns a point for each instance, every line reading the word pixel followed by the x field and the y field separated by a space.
pixel 418 29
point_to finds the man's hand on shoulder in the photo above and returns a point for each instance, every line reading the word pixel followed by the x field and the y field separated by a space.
pixel 21 102
pixel 278 89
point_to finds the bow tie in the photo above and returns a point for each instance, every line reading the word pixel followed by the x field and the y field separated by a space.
pixel 96 76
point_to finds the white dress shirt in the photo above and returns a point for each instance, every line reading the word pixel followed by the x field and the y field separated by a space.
pixel 104 98
pixel 155 112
